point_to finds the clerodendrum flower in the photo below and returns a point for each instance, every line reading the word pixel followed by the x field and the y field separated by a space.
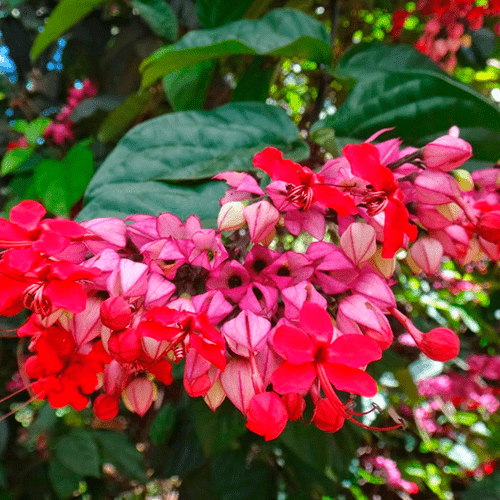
pixel 385 195
pixel 311 353
pixel 303 186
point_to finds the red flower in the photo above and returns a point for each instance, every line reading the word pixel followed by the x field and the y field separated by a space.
pixel 304 187
pixel 183 330
pixel 384 195
pixel 311 353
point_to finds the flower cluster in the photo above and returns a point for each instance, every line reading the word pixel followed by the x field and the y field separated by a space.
pixel 117 303
pixel 61 129
pixel 448 27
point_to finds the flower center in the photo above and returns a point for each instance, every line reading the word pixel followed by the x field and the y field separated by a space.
pixel 375 202
pixel 34 299
pixel 301 196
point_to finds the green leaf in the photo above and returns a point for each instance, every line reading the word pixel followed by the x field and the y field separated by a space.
pixel 121 452
pixel 486 489
pixel 159 16
pixel 117 122
pixel 282 32
pixel 234 479
pixel 399 87
pixel 60 184
pixel 14 158
pixel 254 83
pixel 35 129
pixel 165 164
pixel 218 430
pixel 186 88
pixel 66 14
pixel 64 481
pixel 213 13
pixel 163 424
pixel 78 452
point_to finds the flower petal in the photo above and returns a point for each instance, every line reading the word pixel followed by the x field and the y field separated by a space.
pixel 352 380
pixel 342 203
pixel 316 321
pixel 354 350
pixel 294 345
pixel 272 162
pixel 293 378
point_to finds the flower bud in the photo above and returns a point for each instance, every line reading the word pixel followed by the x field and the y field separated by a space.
pixel 326 417
pixel 231 216
pixel 488 226
pixel 106 406
pixel 440 344
pixel 384 267
pixel 359 242
pixel 436 188
pixel 139 395
pixel 215 396
pixel 267 415
pixel 447 153
pixel 427 254
pixel 464 180
pixel 115 313
pixel 261 218
pixel 295 405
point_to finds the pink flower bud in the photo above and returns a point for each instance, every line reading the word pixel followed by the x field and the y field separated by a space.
pixel 447 153
pixel 115 313
pixel 326 417
pixel 261 218
pixel 440 344
pixel 267 415
pixel 359 242
pixel 436 188
pixel 231 217
pixel 488 226
pixel 427 254
pixel 139 395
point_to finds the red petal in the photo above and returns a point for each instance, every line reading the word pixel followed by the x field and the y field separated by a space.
pixel 293 378
pixel 365 163
pixel 395 227
pixel 354 350
pixel 317 322
pixel 211 352
pixel 27 214
pixel 294 345
pixel 272 162
pixel 66 295
pixel 348 379
pixel 342 203
pixel 11 232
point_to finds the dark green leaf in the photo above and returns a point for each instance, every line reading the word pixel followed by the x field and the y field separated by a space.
pixel 64 481
pixel 213 13
pixel 142 174
pixel 197 485
pixel 159 16
pixel 14 158
pixel 186 88
pixel 216 430
pixel 117 122
pixel 234 479
pixel 486 489
pixel 282 32
pixel 89 106
pixel 4 435
pixel 254 83
pixel 399 87
pixel 163 424
pixel 60 184
pixel 121 452
pixel 66 14
pixel 79 453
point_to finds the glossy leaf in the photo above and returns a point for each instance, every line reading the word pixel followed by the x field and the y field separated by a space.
pixel 66 14
pixel 282 32
pixel 64 481
pixel 165 164
pixel 117 122
pixel 60 184
pixel 186 88
pixel 399 87
pixel 78 452
pixel 213 13
pixel 254 83
pixel 159 17
pixel 14 158
pixel 121 452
